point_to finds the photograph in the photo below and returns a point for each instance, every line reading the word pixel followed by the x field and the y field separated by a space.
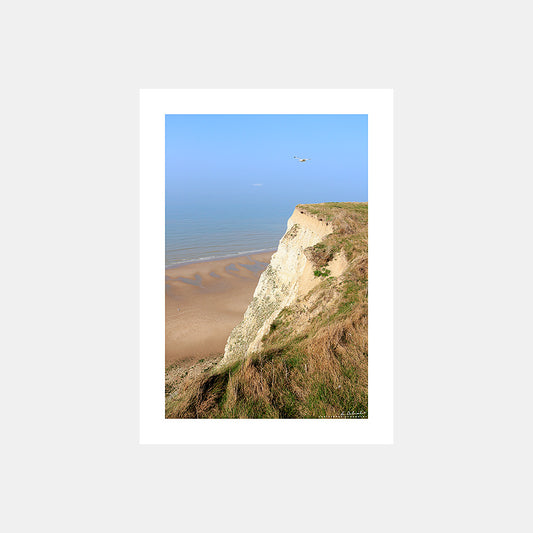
pixel 266 266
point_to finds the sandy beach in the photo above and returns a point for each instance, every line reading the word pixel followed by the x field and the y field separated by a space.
pixel 205 301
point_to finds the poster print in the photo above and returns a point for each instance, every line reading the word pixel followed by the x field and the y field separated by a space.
pixel 266 267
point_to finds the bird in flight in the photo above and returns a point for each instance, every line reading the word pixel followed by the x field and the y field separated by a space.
pixel 302 160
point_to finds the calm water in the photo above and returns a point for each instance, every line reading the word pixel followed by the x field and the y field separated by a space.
pixel 217 231
pixel 232 181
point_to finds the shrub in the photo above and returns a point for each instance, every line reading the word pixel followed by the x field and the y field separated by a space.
pixel 323 272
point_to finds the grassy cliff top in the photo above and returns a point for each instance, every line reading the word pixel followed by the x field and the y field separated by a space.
pixel 335 211
pixel 314 360
pixel 350 229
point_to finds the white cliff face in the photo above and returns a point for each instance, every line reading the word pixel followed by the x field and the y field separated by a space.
pixel 280 284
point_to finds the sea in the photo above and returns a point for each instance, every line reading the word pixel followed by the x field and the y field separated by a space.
pixel 215 231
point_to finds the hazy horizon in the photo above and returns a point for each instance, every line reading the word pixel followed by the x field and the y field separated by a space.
pixel 232 180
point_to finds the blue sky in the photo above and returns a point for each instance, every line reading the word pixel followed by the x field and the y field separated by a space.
pixel 246 162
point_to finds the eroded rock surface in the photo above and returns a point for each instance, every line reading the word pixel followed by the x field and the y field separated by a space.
pixel 288 276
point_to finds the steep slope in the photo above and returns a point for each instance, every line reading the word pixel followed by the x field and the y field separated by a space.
pixel 285 278
pixel 302 348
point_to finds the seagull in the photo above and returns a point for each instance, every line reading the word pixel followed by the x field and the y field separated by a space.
pixel 302 160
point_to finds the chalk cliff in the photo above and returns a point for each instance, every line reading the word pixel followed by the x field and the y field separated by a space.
pixel 289 275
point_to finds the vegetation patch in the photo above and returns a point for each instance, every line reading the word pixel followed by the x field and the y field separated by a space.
pixel 291 233
pixel 275 324
pixel 323 272
pixel 320 254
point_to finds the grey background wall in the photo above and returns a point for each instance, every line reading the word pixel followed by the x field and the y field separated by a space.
pixel 69 225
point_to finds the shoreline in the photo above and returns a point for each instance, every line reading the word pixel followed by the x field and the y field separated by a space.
pixel 220 258
pixel 204 301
